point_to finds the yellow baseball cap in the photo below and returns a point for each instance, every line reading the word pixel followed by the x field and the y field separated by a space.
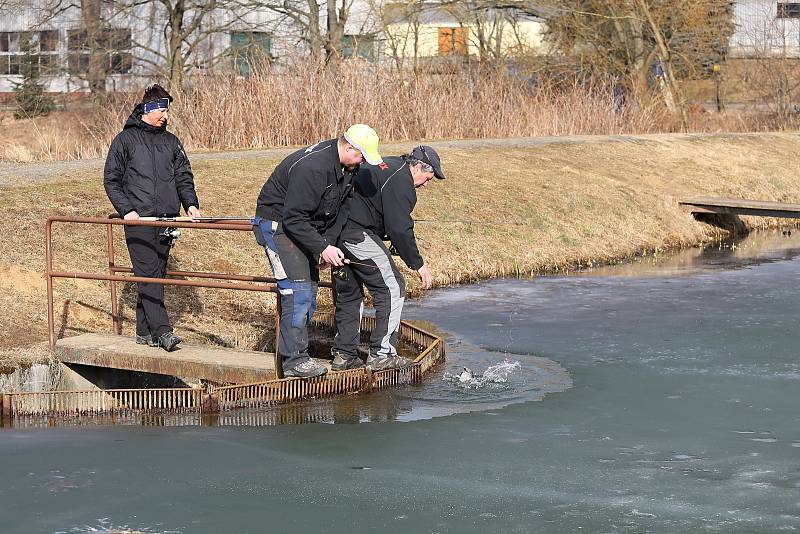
pixel 366 141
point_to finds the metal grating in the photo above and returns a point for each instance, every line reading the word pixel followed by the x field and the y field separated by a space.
pixel 128 402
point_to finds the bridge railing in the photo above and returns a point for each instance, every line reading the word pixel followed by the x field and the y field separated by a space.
pixel 240 282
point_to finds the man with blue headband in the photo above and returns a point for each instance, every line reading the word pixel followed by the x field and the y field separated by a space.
pixel 147 174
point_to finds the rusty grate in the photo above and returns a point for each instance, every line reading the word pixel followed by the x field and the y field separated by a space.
pixel 126 402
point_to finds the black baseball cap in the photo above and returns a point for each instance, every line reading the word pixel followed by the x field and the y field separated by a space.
pixel 427 154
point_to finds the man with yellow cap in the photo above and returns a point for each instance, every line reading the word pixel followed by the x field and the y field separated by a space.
pixel 298 220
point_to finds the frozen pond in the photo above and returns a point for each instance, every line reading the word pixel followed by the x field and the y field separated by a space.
pixel 656 398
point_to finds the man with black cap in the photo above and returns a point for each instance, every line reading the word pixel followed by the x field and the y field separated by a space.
pixel 147 174
pixel 384 197
pixel 298 221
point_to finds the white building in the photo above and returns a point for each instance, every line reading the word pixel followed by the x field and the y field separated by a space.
pixel 136 41
pixel 766 28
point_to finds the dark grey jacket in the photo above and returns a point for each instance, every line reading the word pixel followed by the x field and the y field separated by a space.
pixel 147 171
pixel 383 199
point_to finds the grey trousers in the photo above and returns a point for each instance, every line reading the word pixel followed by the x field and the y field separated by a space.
pixel 385 284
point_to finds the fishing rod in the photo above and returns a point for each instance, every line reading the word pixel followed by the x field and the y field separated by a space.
pixel 464 221
pixel 351 262
pixel 197 219
pixel 359 264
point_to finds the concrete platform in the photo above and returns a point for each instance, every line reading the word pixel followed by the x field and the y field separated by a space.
pixel 191 360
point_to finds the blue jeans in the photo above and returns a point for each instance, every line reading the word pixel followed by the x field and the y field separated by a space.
pixel 297 277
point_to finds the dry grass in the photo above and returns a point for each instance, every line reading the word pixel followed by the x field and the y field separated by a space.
pixel 578 204
pixel 303 105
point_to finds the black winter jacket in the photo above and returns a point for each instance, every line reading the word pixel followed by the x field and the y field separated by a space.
pixel 147 171
pixel 383 199
pixel 305 193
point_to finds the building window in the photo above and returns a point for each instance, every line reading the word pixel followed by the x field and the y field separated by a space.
pixel 42 46
pixel 251 52
pixel 116 46
pixel 789 10
pixel 362 46
pixel 453 41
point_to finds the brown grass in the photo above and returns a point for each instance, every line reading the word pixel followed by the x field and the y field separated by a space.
pixel 301 106
pixel 579 204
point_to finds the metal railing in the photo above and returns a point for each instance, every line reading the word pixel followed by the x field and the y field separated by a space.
pixel 243 282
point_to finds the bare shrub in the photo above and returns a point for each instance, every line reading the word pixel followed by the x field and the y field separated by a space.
pixel 305 103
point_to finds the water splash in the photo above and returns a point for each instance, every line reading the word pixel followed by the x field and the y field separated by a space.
pixel 494 374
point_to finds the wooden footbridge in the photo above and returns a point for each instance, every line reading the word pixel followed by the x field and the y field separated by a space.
pixel 229 378
pixel 737 206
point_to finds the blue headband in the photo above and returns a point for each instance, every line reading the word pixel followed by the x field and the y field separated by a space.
pixel 161 103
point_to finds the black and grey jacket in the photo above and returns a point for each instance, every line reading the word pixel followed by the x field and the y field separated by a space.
pixel 305 193
pixel 382 203
pixel 147 171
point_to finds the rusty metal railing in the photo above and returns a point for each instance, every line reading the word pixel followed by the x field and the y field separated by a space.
pixel 244 282
pixel 272 392
pixel 118 401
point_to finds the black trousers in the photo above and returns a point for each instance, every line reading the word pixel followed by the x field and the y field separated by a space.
pixel 378 272
pixel 149 254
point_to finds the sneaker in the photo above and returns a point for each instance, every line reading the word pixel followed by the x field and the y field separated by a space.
pixel 306 369
pixel 340 363
pixel 388 362
pixel 168 341
pixel 146 340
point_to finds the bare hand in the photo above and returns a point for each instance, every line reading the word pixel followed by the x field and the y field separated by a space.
pixel 194 212
pixel 131 216
pixel 426 276
pixel 332 255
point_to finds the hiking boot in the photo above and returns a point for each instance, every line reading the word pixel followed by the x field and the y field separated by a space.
pixel 168 341
pixel 146 340
pixel 388 362
pixel 305 369
pixel 340 363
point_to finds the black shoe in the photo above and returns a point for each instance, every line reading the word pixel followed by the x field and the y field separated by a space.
pixel 146 340
pixel 388 362
pixel 340 363
pixel 168 341
pixel 305 369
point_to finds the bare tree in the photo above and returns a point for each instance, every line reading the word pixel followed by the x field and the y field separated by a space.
pixel 180 29
pixel 768 42
pixel 324 42
pixel 399 24
pixel 94 15
pixel 624 38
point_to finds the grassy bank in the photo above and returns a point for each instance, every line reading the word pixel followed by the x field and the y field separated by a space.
pixel 574 205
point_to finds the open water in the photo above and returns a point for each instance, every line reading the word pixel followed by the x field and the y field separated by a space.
pixel 657 397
